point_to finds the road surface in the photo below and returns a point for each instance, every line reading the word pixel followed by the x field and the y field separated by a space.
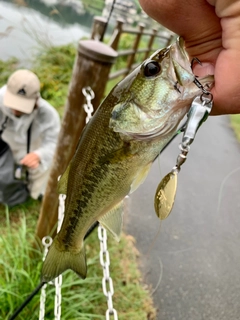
pixel 192 259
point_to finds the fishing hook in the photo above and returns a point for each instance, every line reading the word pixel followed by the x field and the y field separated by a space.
pixel 195 60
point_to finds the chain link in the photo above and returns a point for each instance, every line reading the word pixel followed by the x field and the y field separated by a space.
pixel 61 210
pixel 58 298
pixel 58 280
pixel 107 283
pixel 42 302
pixel 88 107
pixel 47 241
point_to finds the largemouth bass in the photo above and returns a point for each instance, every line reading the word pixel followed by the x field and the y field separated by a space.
pixel 116 150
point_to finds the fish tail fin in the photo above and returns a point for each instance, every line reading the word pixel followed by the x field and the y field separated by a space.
pixel 57 262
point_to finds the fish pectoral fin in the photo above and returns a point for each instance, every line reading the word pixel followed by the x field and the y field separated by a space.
pixel 63 182
pixel 140 177
pixel 119 155
pixel 57 262
pixel 113 220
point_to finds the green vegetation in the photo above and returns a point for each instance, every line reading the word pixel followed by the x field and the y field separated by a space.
pixel 94 8
pixel 6 68
pixel 20 267
pixel 235 124
pixel 54 68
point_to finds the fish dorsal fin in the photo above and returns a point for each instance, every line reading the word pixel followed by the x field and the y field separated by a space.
pixel 140 177
pixel 113 220
pixel 63 182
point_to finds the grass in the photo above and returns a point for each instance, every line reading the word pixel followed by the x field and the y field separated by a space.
pixel 6 68
pixel 235 124
pixel 20 267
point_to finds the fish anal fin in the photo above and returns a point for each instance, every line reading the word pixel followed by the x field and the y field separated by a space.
pixel 63 182
pixel 57 262
pixel 140 177
pixel 113 220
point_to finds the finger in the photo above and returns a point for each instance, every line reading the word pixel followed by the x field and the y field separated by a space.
pixel 30 160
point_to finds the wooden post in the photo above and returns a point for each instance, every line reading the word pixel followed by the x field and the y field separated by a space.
pixel 150 43
pixel 135 46
pixel 170 40
pixel 98 28
pixel 113 43
pixel 91 68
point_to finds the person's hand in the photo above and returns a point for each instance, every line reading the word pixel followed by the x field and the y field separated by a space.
pixel 211 32
pixel 31 160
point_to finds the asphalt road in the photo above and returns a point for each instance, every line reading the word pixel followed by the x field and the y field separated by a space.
pixel 192 259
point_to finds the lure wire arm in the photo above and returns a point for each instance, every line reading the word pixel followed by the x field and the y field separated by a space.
pixel 198 113
pixel 204 91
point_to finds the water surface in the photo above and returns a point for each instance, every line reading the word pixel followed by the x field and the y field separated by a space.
pixel 24 31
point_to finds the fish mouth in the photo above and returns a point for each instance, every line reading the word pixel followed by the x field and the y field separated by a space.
pixel 180 66
pixel 181 53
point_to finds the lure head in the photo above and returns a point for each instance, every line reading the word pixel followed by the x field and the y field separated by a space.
pixel 153 99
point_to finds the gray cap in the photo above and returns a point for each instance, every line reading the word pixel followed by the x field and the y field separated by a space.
pixel 23 89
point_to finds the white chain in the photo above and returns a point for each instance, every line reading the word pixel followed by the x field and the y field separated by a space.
pixel 107 283
pixel 58 280
pixel 102 233
pixel 58 298
pixel 88 107
pixel 47 241
pixel 42 302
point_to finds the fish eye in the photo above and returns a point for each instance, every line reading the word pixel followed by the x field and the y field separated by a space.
pixel 152 68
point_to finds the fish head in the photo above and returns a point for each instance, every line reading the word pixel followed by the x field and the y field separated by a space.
pixel 154 98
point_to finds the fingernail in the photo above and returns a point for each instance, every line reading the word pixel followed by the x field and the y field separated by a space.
pixel 204 69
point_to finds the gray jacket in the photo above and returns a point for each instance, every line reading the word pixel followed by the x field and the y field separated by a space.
pixel 44 133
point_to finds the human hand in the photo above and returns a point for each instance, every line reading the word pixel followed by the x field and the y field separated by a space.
pixel 31 160
pixel 211 32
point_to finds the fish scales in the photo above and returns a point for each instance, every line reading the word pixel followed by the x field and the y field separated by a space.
pixel 96 191
pixel 116 150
